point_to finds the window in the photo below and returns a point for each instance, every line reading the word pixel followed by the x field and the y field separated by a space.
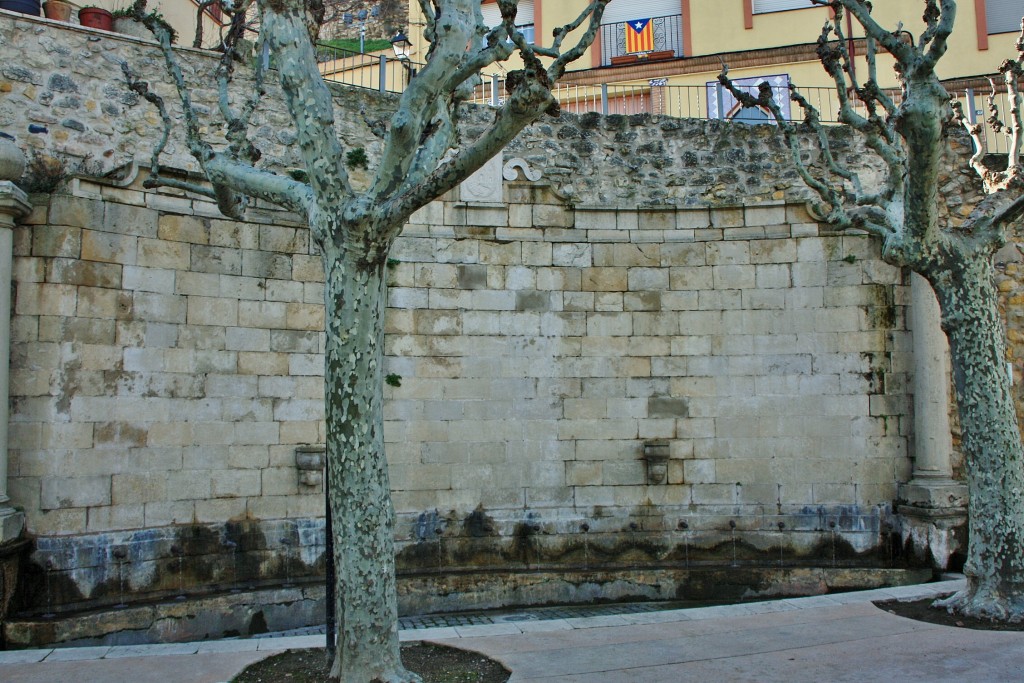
pixel 1003 16
pixel 766 6
pixel 524 17
pixel 722 104
pixel 621 11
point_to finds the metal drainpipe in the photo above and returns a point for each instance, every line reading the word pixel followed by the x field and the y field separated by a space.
pixel 330 596
pixel 852 47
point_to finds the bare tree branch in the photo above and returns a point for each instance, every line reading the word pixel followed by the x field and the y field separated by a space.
pixel 833 197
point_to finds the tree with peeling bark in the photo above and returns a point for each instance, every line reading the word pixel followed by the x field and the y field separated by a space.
pixel 423 157
pixel 909 135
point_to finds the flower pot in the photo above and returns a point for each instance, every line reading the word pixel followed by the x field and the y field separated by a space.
pixel 30 7
pixel 57 10
pixel 96 17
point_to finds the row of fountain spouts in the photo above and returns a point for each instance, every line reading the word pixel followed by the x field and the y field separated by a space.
pixel 120 555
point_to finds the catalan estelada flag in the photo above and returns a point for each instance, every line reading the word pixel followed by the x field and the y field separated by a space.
pixel 639 36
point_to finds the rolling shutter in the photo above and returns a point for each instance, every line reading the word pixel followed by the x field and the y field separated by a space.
pixel 627 10
pixel 492 15
pixel 766 6
pixel 1003 16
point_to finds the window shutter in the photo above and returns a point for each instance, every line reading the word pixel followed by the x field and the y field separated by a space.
pixel 624 10
pixel 492 15
pixel 766 6
pixel 1003 16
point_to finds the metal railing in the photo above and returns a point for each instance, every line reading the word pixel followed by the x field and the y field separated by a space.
pixel 384 73
pixel 975 107
pixel 380 72
pixel 668 36
pixel 710 101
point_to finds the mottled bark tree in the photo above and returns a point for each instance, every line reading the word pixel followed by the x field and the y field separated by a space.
pixel 909 134
pixel 422 158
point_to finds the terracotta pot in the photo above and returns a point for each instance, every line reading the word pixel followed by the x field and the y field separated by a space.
pixel 96 17
pixel 30 7
pixel 58 10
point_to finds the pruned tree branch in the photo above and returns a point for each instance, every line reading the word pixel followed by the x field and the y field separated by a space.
pixel 833 197
pixel 402 190
pixel 997 181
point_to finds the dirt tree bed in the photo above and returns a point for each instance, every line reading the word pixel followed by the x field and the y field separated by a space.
pixel 922 610
pixel 435 663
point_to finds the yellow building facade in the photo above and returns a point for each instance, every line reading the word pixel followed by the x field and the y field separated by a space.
pixel 180 14
pixel 687 41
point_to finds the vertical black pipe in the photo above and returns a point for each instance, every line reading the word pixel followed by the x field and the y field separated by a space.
pixel 329 594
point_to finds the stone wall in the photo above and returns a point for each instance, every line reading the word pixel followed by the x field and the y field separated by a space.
pixel 656 289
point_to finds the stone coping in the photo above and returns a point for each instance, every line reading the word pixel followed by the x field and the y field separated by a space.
pixel 511 626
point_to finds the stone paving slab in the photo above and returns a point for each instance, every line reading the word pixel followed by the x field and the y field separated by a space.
pixel 483 630
pixel 23 656
pixel 840 637
pixel 234 645
pixel 428 633
pixel 71 654
pixel 544 626
pixel 158 649
pixel 852 642
pixel 197 668
pixel 289 643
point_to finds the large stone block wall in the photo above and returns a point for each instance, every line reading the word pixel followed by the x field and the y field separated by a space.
pixel 551 344
pixel 167 366
pixel 659 286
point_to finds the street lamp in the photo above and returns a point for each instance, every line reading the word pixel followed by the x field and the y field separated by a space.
pixel 402 47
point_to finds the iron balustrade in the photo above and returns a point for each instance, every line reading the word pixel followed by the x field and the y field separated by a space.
pixel 668 36
pixel 384 73
pixel 378 71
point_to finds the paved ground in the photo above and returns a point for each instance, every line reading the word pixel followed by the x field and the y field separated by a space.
pixel 821 639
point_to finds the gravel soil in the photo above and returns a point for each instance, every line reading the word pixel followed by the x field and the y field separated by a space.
pixel 435 663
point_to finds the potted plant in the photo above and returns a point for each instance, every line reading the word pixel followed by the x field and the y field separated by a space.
pixel 96 17
pixel 58 10
pixel 30 7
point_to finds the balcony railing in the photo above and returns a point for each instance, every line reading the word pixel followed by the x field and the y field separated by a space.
pixel 668 40
pixel 373 71
pixel 388 74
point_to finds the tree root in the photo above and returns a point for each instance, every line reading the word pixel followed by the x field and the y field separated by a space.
pixel 980 604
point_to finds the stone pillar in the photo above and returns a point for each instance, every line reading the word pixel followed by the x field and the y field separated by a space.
pixel 13 204
pixel 932 504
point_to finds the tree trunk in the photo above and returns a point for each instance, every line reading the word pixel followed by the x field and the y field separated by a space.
pixel 991 439
pixel 362 514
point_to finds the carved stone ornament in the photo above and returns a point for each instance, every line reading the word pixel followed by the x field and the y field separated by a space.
pixel 511 173
pixel 484 185
pixel 12 160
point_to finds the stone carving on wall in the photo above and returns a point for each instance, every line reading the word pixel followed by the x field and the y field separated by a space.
pixel 510 173
pixel 484 185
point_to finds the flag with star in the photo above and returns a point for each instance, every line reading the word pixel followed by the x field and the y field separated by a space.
pixel 639 36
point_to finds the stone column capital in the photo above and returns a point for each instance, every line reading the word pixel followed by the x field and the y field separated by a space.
pixel 14 204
